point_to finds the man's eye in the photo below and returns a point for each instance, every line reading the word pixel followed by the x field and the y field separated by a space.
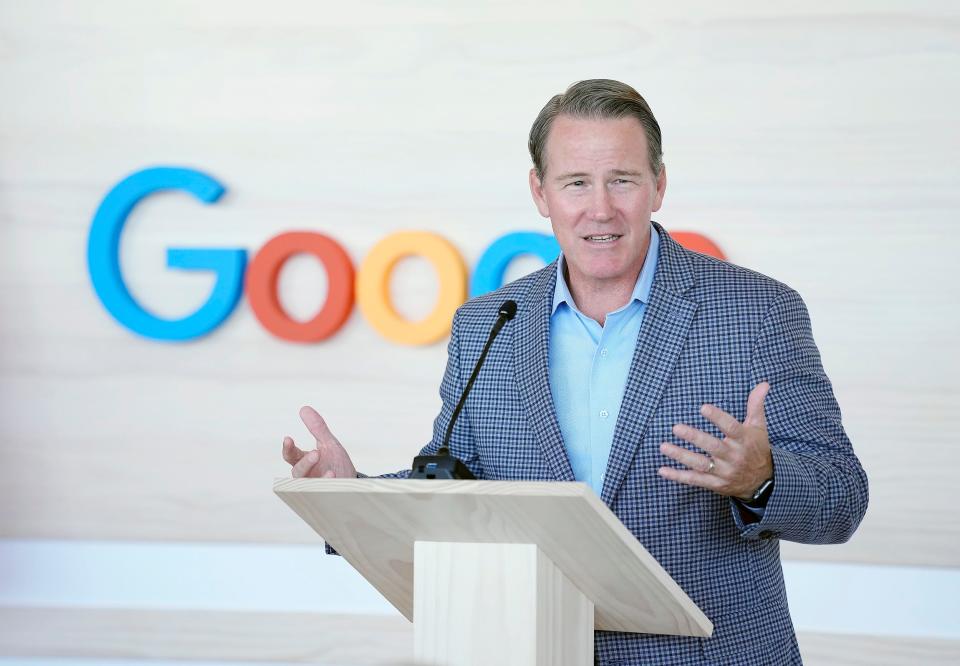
pixel 576 183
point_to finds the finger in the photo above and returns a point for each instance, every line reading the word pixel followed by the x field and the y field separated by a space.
pixel 700 439
pixel 329 474
pixel 291 453
pixel 305 464
pixel 756 415
pixel 694 461
pixel 728 425
pixel 691 478
pixel 315 424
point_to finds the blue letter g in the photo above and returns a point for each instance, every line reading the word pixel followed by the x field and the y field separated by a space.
pixel 103 257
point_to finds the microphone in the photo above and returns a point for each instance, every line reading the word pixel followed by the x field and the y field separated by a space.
pixel 443 465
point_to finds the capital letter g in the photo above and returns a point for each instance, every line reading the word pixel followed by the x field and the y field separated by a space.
pixel 103 257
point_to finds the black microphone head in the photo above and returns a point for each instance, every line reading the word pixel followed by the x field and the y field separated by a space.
pixel 508 310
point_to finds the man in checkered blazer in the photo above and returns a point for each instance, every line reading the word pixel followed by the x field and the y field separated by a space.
pixel 728 437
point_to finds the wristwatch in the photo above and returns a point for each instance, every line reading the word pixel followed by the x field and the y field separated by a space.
pixel 760 496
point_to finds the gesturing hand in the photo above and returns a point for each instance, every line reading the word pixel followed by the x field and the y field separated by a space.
pixel 735 466
pixel 328 460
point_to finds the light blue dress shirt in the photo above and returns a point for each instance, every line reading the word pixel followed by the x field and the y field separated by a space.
pixel 589 365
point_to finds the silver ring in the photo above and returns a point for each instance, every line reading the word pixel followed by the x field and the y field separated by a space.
pixel 710 468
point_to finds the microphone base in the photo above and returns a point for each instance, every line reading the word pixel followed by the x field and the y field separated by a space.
pixel 440 467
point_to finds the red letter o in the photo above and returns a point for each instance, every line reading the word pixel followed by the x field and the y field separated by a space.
pixel 264 271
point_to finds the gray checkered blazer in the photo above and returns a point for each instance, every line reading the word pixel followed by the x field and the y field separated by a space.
pixel 711 332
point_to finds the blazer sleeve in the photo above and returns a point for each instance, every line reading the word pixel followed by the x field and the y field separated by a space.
pixel 820 488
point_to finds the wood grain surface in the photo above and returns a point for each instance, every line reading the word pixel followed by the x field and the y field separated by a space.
pixel 375 523
pixel 497 603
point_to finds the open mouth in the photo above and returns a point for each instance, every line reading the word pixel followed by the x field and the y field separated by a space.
pixel 602 238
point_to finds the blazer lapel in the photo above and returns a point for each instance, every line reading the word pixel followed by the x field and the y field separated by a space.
pixel 666 323
pixel 531 362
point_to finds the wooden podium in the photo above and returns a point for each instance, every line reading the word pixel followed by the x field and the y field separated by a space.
pixel 496 572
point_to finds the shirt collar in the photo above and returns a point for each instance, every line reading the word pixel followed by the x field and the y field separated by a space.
pixel 641 290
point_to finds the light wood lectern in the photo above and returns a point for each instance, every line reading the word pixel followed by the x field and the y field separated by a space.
pixel 496 572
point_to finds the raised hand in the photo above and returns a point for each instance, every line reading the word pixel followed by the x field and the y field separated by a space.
pixel 328 460
pixel 735 466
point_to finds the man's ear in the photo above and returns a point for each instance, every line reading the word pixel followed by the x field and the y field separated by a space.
pixel 661 189
pixel 536 190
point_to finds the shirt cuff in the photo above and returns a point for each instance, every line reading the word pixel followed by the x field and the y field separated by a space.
pixel 756 511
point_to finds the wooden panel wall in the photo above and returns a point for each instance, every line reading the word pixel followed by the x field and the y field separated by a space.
pixel 815 143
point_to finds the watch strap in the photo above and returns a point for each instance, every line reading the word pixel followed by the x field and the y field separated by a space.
pixel 761 495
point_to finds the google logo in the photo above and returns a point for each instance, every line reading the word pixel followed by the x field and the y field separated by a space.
pixel 368 286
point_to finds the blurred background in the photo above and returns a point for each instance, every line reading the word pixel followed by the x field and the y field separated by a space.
pixel 813 142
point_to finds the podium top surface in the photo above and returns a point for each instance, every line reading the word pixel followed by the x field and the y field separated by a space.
pixel 374 523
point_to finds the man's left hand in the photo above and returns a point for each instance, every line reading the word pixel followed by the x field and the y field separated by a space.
pixel 735 466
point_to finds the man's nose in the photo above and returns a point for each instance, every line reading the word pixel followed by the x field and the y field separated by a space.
pixel 601 205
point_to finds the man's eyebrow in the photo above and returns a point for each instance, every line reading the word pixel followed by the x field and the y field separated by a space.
pixel 615 172
pixel 567 176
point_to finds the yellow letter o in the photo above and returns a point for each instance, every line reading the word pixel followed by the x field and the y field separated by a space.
pixel 373 286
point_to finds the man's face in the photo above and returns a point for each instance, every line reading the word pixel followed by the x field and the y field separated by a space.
pixel 599 192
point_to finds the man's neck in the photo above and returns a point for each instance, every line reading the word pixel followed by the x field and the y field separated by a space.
pixel 597 298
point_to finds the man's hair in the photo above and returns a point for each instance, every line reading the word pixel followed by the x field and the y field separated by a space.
pixel 596 99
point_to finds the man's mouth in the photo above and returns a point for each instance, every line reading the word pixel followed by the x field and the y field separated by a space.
pixel 602 238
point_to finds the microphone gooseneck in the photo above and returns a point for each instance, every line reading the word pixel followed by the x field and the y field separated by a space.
pixel 443 465
pixel 507 312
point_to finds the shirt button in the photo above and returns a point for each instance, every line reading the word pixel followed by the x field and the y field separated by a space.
pixel 604 413
pixel 603 352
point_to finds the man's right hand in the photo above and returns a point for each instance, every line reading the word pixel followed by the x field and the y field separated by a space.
pixel 327 461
